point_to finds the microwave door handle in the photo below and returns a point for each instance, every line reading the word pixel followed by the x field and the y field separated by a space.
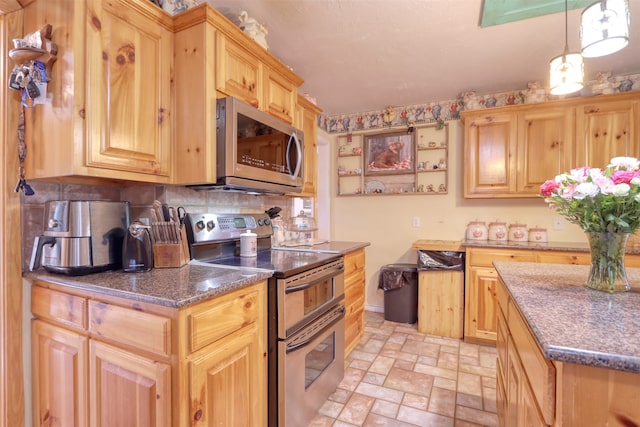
pixel 294 138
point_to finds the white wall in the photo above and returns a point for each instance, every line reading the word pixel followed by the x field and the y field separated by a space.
pixel 386 221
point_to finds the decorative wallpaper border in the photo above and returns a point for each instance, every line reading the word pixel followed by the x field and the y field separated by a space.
pixel 441 111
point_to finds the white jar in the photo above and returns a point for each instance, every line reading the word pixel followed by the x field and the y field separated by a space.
pixel 518 232
pixel 498 231
pixel 477 230
pixel 248 244
pixel 538 235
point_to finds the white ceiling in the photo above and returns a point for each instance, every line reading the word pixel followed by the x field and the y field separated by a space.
pixel 363 55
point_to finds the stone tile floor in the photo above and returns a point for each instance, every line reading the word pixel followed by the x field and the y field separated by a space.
pixel 399 377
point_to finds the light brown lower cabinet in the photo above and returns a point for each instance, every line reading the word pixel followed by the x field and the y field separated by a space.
pixel 106 361
pixel 354 295
pixel 481 278
pixel 441 303
pixel 535 391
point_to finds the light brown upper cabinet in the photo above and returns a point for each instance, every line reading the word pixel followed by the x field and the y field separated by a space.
pixel 212 51
pixel 108 112
pixel 510 151
pixel 545 142
pixel 307 121
pixel 238 71
pixel 606 128
pixel 490 153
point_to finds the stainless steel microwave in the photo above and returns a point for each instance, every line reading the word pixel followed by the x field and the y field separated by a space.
pixel 255 151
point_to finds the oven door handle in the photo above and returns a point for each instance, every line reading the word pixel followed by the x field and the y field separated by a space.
pixel 300 288
pixel 305 343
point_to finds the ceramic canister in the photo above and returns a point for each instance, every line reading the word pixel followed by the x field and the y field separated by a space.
pixel 477 230
pixel 538 235
pixel 518 232
pixel 498 231
pixel 248 244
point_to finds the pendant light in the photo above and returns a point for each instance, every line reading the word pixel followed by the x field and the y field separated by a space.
pixel 566 71
pixel 604 28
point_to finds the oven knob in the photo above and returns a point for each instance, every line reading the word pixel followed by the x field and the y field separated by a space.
pixel 210 225
pixel 200 225
pixel 267 221
pixel 260 222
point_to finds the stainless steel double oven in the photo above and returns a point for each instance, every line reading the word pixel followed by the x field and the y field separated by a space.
pixel 305 312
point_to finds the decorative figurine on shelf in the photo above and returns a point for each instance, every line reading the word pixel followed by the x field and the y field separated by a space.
pixel 470 100
pixel 342 170
pixel 442 164
pixel 430 188
pixel 442 188
pixel 253 29
pixel 342 150
pixel 421 188
pixel 356 150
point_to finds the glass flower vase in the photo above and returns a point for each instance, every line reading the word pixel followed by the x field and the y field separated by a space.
pixel 607 271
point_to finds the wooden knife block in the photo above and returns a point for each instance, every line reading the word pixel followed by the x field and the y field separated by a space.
pixel 166 255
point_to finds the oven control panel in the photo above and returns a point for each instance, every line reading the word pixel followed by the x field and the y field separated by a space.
pixel 215 227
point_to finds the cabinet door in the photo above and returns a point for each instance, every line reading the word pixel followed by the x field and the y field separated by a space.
pixel 59 366
pixel 228 382
pixel 308 122
pixel 238 73
pixel 606 129
pixel 280 96
pixel 545 143
pixel 480 304
pixel 490 155
pixel 126 389
pixel 128 82
pixel 354 297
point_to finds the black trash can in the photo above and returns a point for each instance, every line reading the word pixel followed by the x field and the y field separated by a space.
pixel 400 285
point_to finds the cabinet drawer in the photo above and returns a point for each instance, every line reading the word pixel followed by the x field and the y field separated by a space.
pixel 485 258
pixel 217 318
pixel 559 257
pixel 134 328
pixel 59 307
pixel 539 371
pixel 354 262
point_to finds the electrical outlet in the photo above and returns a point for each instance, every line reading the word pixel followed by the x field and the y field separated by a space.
pixel 558 223
pixel 415 221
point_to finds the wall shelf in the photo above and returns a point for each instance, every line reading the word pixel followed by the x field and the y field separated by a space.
pixel 428 174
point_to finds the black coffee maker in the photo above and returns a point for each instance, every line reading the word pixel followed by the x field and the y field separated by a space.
pixel 137 251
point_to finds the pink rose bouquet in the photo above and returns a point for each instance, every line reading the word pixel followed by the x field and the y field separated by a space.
pixel 598 200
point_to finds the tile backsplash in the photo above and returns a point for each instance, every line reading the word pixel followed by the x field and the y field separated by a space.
pixel 140 198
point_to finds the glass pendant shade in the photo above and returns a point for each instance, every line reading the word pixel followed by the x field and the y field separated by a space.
pixel 566 74
pixel 604 28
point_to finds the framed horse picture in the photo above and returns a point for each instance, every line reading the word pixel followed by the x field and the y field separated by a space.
pixel 389 153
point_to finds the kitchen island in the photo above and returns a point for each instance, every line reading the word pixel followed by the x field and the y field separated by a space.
pixel 567 355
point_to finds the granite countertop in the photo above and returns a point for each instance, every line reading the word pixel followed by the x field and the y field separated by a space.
pixel 572 323
pixel 179 287
pixel 334 247
pixel 171 287
pixel 548 246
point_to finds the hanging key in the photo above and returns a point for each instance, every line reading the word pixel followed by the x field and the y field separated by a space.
pixel 24 187
pixel 32 89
